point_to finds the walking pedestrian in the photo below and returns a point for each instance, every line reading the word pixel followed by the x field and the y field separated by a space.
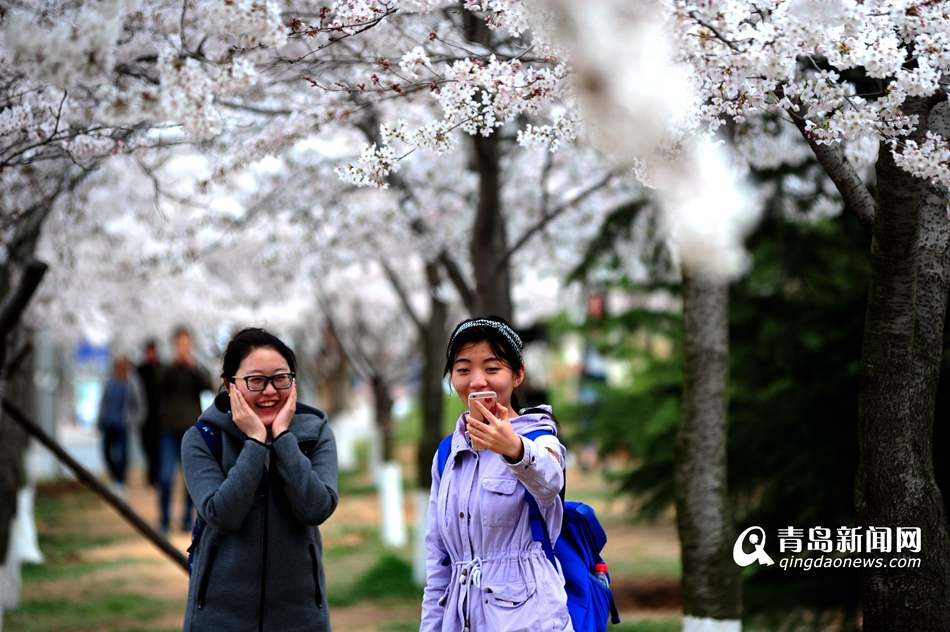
pixel 149 371
pixel 121 410
pixel 180 387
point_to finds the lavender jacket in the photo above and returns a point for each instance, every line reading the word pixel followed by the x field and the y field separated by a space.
pixel 484 572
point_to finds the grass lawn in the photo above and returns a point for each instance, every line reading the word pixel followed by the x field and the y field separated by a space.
pixel 100 575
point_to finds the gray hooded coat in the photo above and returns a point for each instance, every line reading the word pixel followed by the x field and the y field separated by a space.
pixel 257 565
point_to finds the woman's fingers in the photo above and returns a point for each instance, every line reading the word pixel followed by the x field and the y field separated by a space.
pixel 504 413
pixel 286 413
pixel 486 414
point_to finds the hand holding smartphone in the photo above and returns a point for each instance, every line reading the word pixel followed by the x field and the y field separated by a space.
pixel 487 399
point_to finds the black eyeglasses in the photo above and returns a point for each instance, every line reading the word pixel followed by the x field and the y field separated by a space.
pixel 281 381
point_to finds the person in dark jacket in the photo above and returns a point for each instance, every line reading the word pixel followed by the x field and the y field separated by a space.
pixel 258 562
pixel 180 386
pixel 149 372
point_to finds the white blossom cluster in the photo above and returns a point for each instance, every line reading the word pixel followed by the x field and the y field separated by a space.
pixel 481 97
pixel 562 129
pixel 72 50
pixel 88 147
pixel 476 97
pixel 349 14
pixel 845 67
pixel 188 94
pixel 31 114
pixel 246 23
pixel 929 159
pixel 510 15
pixel 275 138
pixel 414 62
pixel 374 166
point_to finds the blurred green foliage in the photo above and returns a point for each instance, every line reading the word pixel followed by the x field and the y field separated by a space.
pixel 796 325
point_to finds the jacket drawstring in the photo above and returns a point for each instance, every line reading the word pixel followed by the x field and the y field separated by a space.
pixel 470 575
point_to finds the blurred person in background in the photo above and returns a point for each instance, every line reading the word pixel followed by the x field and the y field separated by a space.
pixel 148 372
pixel 484 570
pixel 262 470
pixel 121 410
pixel 180 386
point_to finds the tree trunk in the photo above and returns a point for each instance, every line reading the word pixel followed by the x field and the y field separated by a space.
pixel 489 234
pixel 13 440
pixel 434 340
pixel 383 408
pixel 903 344
pixel 711 581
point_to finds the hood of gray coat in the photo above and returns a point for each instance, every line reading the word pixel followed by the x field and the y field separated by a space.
pixel 306 425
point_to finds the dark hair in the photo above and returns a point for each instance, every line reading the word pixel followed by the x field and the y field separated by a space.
pixel 181 330
pixel 246 341
pixel 492 331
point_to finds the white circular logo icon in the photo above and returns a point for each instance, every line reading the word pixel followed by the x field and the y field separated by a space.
pixel 755 537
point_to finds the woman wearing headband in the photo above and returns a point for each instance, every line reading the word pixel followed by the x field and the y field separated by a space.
pixel 484 568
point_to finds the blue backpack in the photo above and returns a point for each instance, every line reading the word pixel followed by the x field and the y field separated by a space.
pixel 589 602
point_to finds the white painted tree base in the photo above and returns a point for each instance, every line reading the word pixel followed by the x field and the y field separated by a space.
pixel 421 498
pixel 24 535
pixel 697 624
pixel 393 517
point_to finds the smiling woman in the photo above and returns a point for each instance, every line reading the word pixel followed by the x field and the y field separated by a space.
pixel 262 471
pixel 485 571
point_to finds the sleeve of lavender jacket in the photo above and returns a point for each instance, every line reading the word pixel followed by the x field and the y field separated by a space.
pixel 310 483
pixel 437 575
pixel 223 502
pixel 538 470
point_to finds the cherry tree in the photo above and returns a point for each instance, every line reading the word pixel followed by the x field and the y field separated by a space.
pixel 855 80
pixel 861 83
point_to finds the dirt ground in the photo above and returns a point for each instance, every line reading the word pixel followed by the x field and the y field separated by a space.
pixel 120 560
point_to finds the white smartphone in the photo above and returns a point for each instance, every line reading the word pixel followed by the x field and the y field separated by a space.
pixel 487 398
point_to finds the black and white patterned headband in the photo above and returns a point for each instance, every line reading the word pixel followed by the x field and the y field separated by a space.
pixel 504 329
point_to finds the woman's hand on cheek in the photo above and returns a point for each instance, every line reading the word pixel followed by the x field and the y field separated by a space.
pixel 244 418
pixel 286 413
pixel 496 433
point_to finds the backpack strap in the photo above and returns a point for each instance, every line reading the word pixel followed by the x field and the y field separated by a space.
pixel 212 437
pixel 445 448
pixel 539 531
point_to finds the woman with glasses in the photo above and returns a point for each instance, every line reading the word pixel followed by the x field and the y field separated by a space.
pixel 262 471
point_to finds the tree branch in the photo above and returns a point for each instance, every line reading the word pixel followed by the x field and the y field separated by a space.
pixel 14 305
pixel 92 482
pixel 853 191
pixel 548 217
pixel 458 280
pixel 400 291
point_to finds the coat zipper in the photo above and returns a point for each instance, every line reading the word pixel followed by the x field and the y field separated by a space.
pixel 468 528
pixel 260 612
